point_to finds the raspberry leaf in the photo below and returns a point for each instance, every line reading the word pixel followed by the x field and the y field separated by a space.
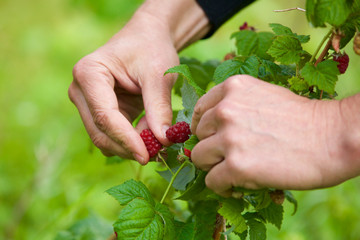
pixel 226 70
pixel 189 99
pixel 114 160
pixel 247 42
pixel 298 85
pixel 191 142
pixel 168 220
pixel 195 188
pixel 130 190
pixel 290 197
pixel 250 66
pixel 139 220
pixel 257 230
pixel 334 12
pixel 185 230
pixel 324 75
pixel 185 72
pixel 283 30
pixel 231 210
pixel 273 213
pixel 286 49
pixel 205 218
pixel 265 41
pixel 186 175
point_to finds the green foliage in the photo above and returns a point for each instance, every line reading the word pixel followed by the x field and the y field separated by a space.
pixel 324 75
pixel 286 49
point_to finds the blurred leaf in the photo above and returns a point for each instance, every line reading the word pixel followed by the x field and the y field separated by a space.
pixel 283 30
pixel 247 42
pixel 273 213
pixel 226 70
pixel 114 160
pixel 186 175
pixel 231 210
pixel 195 188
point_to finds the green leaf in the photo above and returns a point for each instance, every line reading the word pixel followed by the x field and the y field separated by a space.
pixel 168 221
pixel 257 230
pixel 185 72
pixel 282 30
pixel 139 220
pixel 290 197
pixel 247 42
pixel 205 218
pixel 324 75
pixel 298 84
pixel 191 142
pixel 286 49
pixel 231 210
pixel 194 189
pixel 265 41
pixel 186 175
pixel 273 214
pixel 130 190
pixel 270 72
pixel 334 12
pixel 250 66
pixel 226 70
pixel 114 160
pixel 189 100
pixel 184 230
pixel 243 235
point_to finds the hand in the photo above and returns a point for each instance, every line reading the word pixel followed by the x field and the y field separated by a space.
pixel 255 135
pixel 113 85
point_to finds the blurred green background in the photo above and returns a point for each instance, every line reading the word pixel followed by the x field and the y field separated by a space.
pixel 51 176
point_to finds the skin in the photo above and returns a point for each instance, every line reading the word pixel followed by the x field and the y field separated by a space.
pixel 255 135
pixel 252 134
pixel 116 82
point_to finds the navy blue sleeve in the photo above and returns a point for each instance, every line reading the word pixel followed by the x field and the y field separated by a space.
pixel 219 11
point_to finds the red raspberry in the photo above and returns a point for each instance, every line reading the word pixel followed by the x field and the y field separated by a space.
pixel 343 61
pixel 187 152
pixel 245 26
pixel 152 144
pixel 179 132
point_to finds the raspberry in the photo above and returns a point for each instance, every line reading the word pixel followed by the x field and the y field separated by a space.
pixel 343 61
pixel 152 144
pixel 245 26
pixel 178 133
pixel 357 43
pixel 187 152
pixel 229 56
pixel 277 196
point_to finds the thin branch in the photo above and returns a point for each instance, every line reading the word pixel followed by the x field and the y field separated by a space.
pixel 290 9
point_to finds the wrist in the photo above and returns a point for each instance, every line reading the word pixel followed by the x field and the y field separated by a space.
pixel 184 20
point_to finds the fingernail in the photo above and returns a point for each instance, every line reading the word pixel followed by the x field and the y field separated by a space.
pixel 139 158
pixel 164 129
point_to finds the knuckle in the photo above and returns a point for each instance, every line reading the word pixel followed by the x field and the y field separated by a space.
pixel 198 109
pixel 224 111
pixel 71 92
pixel 80 69
pixel 101 120
pixel 100 141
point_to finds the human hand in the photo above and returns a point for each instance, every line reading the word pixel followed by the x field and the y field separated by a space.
pixel 113 85
pixel 255 135
pixel 116 82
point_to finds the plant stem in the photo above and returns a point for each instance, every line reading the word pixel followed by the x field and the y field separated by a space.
pixel 167 166
pixel 220 226
pixel 320 45
pixel 172 181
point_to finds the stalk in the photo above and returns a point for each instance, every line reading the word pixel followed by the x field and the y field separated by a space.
pixel 172 181
pixel 320 45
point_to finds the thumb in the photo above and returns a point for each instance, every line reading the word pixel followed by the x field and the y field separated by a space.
pixel 157 103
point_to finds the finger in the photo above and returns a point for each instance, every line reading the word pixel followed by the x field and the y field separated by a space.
pixel 219 179
pixel 157 103
pixel 107 146
pixel 207 125
pixel 96 85
pixel 207 153
pixel 207 101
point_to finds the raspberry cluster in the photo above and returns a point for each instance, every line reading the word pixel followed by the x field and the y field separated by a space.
pixel 343 61
pixel 152 144
pixel 179 132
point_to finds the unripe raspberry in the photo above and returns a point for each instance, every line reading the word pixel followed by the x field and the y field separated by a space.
pixel 179 132
pixel 357 43
pixel 277 196
pixel 343 61
pixel 187 152
pixel 229 56
pixel 152 144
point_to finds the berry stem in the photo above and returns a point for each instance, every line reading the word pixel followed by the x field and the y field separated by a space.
pixel 167 166
pixel 320 45
pixel 172 181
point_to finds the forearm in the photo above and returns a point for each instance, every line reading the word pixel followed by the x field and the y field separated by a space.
pixel 184 20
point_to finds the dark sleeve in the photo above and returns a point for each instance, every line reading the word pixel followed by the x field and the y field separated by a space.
pixel 219 11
